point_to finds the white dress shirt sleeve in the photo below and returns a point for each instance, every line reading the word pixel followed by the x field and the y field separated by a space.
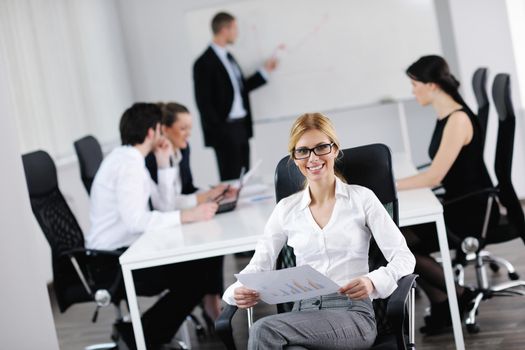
pixel 163 192
pixel 266 250
pixel 181 201
pixel 389 239
pixel 185 201
pixel 132 202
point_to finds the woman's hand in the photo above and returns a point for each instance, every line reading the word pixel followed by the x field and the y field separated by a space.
pixel 245 297
pixel 217 193
pixel 359 288
pixel 201 212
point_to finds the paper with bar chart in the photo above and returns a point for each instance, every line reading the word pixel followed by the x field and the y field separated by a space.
pixel 295 283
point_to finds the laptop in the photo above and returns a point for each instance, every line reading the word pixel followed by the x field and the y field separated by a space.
pixel 229 204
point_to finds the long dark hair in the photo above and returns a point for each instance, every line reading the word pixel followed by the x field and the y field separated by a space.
pixel 434 69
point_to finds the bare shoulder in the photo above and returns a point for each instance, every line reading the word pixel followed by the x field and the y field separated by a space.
pixel 459 127
pixel 459 118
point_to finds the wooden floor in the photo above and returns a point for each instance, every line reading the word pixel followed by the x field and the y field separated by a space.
pixel 502 319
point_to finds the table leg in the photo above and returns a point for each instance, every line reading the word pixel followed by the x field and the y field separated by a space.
pixel 134 308
pixel 449 280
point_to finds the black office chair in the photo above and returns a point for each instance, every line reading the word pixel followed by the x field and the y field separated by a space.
pixel 479 85
pixel 511 225
pixel 479 82
pixel 368 166
pixel 79 274
pixel 90 156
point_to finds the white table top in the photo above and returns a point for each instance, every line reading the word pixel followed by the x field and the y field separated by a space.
pixel 413 203
pixel 240 229
pixel 226 233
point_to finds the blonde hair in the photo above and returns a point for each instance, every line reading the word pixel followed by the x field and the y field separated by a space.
pixel 313 121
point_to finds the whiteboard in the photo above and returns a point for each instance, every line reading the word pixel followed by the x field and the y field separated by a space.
pixel 337 54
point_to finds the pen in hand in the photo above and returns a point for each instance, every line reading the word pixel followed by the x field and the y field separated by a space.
pixel 221 196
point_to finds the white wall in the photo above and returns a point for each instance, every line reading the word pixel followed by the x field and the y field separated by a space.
pixel 516 13
pixel 483 38
pixel 26 320
pixel 67 72
pixel 66 75
pixel 157 41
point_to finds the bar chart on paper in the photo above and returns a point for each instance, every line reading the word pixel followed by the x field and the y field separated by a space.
pixel 281 286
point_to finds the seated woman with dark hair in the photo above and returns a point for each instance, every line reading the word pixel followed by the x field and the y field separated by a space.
pixel 456 150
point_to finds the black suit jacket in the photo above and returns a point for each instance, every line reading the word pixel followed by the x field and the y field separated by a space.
pixel 185 171
pixel 214 97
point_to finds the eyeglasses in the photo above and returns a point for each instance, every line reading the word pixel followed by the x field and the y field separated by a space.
pixel 319 150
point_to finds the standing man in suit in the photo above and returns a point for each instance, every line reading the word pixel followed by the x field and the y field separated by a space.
pixel 221 92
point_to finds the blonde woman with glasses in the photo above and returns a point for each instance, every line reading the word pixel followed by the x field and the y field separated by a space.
pixel 329 224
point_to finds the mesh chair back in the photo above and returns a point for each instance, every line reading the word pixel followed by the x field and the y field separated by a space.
pixel 49 206
pixel 369 166
pixel 479 85
pixel 90 156
pixel 504 151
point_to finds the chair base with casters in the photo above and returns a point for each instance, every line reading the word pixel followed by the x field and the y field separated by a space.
pixel 495 263
pixel 400 312
pixel 472 253
pixel 485 291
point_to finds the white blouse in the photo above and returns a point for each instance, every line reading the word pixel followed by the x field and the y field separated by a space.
pixel 174 199
pixel 340 249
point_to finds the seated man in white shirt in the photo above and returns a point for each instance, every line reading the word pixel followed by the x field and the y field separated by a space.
pixel 120 213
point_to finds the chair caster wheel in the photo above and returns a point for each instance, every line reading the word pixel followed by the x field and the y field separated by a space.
pixel 494 267
pixel 514 276
pixel 473 328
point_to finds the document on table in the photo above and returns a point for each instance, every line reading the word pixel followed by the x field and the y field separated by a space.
pixel 295 283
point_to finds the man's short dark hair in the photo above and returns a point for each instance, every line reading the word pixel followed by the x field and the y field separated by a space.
pixel 221 20
pixel 137 120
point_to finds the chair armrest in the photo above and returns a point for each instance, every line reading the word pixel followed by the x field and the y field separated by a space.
pixel 396 309
pixel 491 191
pixel 223 326
pixel 437 188
pixel 423 166
pixel 77 252
pixel 86 260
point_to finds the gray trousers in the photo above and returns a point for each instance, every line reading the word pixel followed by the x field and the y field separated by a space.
pixel 328 322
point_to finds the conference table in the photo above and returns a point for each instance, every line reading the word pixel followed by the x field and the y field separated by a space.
pixel 239 230
pixel 421 206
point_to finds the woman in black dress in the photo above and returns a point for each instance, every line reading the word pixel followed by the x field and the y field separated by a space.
pixel 456 150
